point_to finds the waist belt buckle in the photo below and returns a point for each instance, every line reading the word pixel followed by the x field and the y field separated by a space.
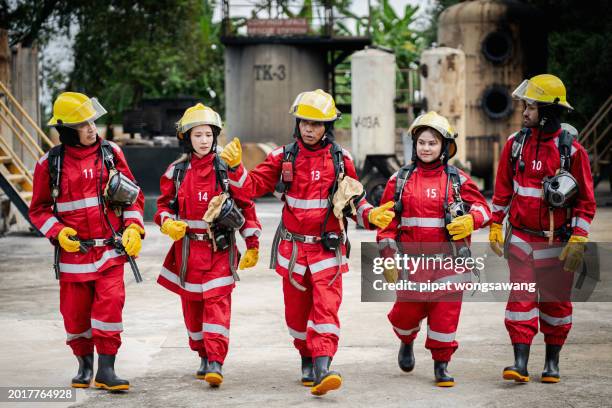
pixel 311 239
pixel 287 235
pixel 98 242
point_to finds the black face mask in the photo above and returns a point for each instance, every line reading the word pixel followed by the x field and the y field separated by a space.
pixel 550 118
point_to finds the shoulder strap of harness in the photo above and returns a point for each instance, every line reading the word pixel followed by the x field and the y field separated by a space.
pixel 290 152
pixel 108 154
pixel 403 175
pixel 338 158
pixel 221 174
pixel 453 172
pixel 565 149
pixel 55 159
pixel 179 172
pixel 517 146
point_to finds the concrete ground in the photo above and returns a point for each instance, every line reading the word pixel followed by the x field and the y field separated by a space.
pixel 262 368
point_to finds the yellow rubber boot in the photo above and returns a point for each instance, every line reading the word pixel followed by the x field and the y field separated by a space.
pixel 325 380
pixel 214 374
pixel 518 372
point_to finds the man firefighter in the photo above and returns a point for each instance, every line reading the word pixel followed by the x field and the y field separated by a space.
pixel 86 202
pixel 544 185
pixel 201 264
pixel 314 177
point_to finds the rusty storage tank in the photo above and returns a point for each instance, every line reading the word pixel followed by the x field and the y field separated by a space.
pixel 504 43
pixel 442 72
pixel 261 83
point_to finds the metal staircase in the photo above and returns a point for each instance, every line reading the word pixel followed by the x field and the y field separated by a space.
pixel 16 178
pixel 595 137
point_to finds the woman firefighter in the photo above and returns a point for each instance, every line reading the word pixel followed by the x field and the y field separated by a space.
pixel 200 208
pixel 86 202
pixel 438 207
pixel 319 188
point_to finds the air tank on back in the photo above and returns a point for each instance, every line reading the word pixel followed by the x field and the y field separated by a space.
pixel 261 83
pixel 372 100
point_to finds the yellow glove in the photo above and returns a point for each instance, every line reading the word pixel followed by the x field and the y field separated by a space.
pixel 250 258
pixel 174 229
pixel 232 153
pixel 573 253
pixel 496 239
pixel 65 242
pixel 391 274
pixel 461 227
pixel 132 239
pixel 381 216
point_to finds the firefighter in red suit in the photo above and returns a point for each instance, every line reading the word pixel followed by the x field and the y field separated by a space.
pixel 207 255
pixel 423 226
pixel 309 252
pixel 541 150
pixel 91 282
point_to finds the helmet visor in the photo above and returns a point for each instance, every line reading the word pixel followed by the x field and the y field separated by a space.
pixel 86 113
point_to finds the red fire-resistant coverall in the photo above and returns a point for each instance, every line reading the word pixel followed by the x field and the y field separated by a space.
pixel 91 285
pixel 521 195
pixel 206 297
pixel 311 316
pixel 417 229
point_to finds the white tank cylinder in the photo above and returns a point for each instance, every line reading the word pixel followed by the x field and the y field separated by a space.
pixel 372 97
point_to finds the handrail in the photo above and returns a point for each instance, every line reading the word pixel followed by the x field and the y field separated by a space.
pixel 32 123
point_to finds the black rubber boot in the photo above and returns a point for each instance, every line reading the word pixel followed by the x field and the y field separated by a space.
pixel 518 371
pixel 405 357
pixel 85 374
pixel 325 380
pixel 106 377
pixel 550 374
pixel 443 378
pixel 214 374
pixel 308 375
pixel 201 373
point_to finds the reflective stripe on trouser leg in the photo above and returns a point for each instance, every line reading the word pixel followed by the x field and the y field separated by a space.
pixel 521 316
pixel 405 318
pixel 297 311
pixel 193 312
pixel 442 322
pixel 216 326
pixel 323 327
pixel 76 299
pixel 106 311
pixel 555 288
pixel 555 321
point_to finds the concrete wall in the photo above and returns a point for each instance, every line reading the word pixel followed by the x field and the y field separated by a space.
pixel 261 83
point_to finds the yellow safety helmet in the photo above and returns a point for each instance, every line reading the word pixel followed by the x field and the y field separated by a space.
pixel 198 115
pixel 439 123
pixel 73 109
pixel 315 105
pixel 544 88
